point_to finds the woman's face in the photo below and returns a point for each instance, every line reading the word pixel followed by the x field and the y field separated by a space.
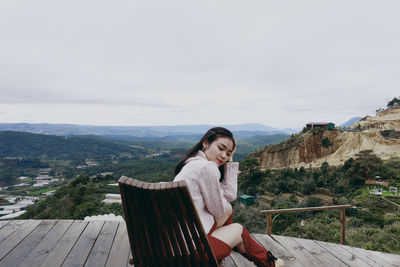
pixel 219 151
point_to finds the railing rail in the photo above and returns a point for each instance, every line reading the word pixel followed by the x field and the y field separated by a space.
pixel 342 216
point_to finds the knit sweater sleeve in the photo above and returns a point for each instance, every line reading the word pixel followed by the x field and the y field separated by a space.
pixel 210 187
pixel 229 184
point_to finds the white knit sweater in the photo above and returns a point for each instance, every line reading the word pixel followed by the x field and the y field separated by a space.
pixel 211 198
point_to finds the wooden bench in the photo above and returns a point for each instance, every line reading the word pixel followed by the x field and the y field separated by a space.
pixel 163 226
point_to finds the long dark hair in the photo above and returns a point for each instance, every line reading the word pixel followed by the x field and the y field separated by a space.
pixel 210 136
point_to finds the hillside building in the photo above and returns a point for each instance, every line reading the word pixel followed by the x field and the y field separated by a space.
pixel 324 125
pixel 112 198
pixel 376 182
pixel 393 189
pixel 377 191
pixel 247 200
pixel 17 207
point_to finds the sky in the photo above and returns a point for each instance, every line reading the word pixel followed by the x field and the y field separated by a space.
pixel 140 63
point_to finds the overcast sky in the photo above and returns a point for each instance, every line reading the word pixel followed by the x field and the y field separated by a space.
pixel 279 63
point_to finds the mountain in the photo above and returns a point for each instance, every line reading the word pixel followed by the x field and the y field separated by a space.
pixel 290 130
pixel 28 145
pixel 301 148
pixel 380 134
pixel 350 122
pixel 149 132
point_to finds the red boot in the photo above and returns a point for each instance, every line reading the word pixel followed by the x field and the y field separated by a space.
pixel 256 253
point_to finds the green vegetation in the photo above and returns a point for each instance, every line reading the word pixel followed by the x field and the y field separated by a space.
pixel 395 102
pixel 27 145
pixel 80 198
pixel 326 142
pixel 44 190
pixel 390 134
pixel 148 169
pixel 317 131
pixel 25 153
pixel 373 223
pixel 10 169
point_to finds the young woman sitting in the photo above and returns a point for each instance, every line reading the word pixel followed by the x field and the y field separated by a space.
pixel 202 168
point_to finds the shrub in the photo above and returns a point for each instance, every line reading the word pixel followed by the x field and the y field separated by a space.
pixel 326 142
pixel 317 130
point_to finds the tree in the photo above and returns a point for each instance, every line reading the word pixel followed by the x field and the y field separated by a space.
pixel 367 163
pixel 324 167
pixel 313 202
pixel 394 102
pixel 365 166
pixel 250 175
pixel 249 165
pixel 309 186
pixel 317 131
pixel 81 179
pixel 347 164
pixel 326 142
pixel 283 186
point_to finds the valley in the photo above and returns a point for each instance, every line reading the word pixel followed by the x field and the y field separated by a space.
pixel 34 166
pixel 60 177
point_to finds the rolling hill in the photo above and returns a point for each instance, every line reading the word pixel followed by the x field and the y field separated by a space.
pixel 28 145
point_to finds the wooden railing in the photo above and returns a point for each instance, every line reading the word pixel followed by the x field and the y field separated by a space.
pixel 342 216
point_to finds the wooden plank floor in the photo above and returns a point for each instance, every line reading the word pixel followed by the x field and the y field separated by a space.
pixel 105 243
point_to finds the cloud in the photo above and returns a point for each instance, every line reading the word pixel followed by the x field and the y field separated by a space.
pixel 180 62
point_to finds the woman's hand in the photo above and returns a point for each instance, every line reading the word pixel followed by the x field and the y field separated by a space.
pixel 231 157
pixel 221 220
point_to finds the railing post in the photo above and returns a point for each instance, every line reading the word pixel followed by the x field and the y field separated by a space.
pixel 269 224
pixel 343 225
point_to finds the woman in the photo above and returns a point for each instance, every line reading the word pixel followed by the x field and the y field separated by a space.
pixel 203 170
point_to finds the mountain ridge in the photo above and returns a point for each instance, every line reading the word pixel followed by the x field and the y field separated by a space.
pixel 30 145
pixel 138 131
pixel 380 134
pixel 351 121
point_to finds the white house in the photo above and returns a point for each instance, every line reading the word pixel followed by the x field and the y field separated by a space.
pixel 393 189
pixel 112 198
pixel 377 191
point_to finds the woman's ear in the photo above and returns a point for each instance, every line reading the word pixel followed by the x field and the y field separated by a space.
pixel 205 145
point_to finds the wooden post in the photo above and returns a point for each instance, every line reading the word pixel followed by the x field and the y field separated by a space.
pixel 343 225
pixel 269 223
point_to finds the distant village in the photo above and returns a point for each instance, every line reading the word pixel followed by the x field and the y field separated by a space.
pixel 17 204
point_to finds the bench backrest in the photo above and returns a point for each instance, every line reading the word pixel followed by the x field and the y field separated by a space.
pixel 163 226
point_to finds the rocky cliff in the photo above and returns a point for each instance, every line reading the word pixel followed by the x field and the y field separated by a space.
pixel 380 133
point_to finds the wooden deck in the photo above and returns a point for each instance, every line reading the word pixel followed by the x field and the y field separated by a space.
pixel 99 243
